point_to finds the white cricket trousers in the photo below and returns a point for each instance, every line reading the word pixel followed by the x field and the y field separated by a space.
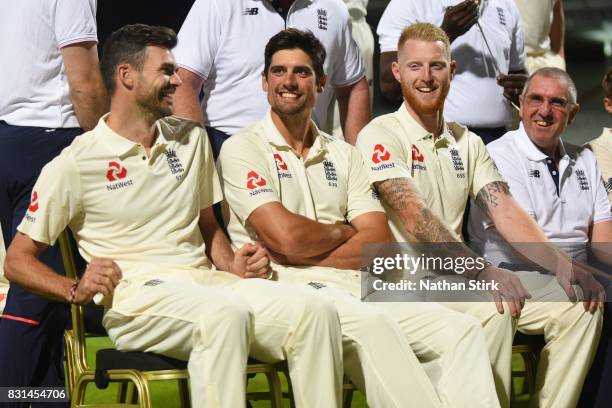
pixel 214 320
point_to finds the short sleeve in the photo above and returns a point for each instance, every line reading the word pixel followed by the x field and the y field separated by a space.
pixel 75 22
pixel 602 210
pixel 245 174
pixel 383 154
pixel 482 168
pixel 55 201
pixel 348 65
pixel 398 15
pixel 198 38
pixel 210 189
pixel 361 197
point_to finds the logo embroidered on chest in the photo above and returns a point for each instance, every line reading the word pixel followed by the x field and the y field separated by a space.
pixel 608 185
pixel 417 159
pixel 116 174
pixel 534 173
pixel 281 167
pixel 501 16
pixel 175 165
pixel 582 180
pixel 322 19
pixel 457 162
pixel 250 11
pixel 330 173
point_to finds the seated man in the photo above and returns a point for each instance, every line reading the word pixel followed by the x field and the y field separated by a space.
pixel 602 146
pixel 557 183
pixel 137 192
pixel 306 196
pixel 431 167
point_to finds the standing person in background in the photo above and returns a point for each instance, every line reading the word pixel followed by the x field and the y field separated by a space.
pixel 544 31
pixel 51 91
pixel 362 34
pixel 487 43
pixel 219 53
pixel 602 146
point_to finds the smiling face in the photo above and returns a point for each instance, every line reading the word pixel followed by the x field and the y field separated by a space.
pixel 157 82
pixel 424 72
pixel 291 84
pixel 546 111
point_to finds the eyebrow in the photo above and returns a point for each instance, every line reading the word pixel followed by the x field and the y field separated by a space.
pixel 168 66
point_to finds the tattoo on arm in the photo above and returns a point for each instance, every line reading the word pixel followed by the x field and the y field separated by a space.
pixel 402 195
pixel 488 196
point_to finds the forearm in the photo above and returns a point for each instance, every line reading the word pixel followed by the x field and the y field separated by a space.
pixel 354 107
pixel 557 30
pixel 219 250
pixel 90 102
pixel 30 273
pixel 312 239
pixel 403 197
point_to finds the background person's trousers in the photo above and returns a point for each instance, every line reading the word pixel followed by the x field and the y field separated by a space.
pixel 213 319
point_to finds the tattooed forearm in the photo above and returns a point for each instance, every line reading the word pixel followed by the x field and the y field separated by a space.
pixel 488 197
pixel 402 195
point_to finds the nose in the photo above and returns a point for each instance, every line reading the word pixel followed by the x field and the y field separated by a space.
pixel 290 80
pixel 426 74
pixel 545 109
pixel 175 79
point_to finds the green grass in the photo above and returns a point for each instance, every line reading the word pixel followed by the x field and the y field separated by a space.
pixel 165 393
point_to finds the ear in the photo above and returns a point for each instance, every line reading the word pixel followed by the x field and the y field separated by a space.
pixel 395 69
pixel 125 75
pixel 453 68
pixel 572 114
pixel 321 83
pixel 264 82
pixel 608 105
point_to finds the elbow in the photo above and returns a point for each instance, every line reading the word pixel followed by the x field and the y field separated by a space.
pixel 11 266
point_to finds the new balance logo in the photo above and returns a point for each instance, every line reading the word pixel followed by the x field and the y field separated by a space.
pixel 254 180
pixel 317 285
pixel 153 282
pixel 250 11
pixel 380 154
pixel 534 173
pixel 115 171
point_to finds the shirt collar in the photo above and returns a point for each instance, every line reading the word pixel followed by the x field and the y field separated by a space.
pixel 276 140
pixel 123 147
pixel 529 148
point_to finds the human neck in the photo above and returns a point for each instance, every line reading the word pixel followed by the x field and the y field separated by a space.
pixel 295 129
pixel 131 122
pixel 431 122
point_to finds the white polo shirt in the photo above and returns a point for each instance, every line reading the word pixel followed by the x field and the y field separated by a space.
pixel 121 204
pixel 475 99
pixel 565 209
pixel 602 148
pixel 34 86
pixel 446 171
pixel 223 41
pixel 257 167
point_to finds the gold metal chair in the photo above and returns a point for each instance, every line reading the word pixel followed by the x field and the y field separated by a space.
pixel 113 365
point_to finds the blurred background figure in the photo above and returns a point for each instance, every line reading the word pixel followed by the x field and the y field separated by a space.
pixel 544 30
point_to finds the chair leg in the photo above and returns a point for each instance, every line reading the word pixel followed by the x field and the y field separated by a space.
pixel 276 392
pixel 347 393
pixel 183 389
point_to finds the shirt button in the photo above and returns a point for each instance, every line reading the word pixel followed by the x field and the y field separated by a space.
pixel 144 157
pixel 549 161
pixel 554 173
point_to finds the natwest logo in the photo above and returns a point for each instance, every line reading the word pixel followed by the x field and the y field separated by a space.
pixel 380 154
pixel 280 164
pixel 115 171
pixel 417 155
pixel 254 180
pixel 33 207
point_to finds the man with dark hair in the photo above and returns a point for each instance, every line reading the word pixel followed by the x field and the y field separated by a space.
pixel 431 168
pixel 137 192
pixel 50 92
pixel 602 146
pixel 219 55
pixel 306 196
